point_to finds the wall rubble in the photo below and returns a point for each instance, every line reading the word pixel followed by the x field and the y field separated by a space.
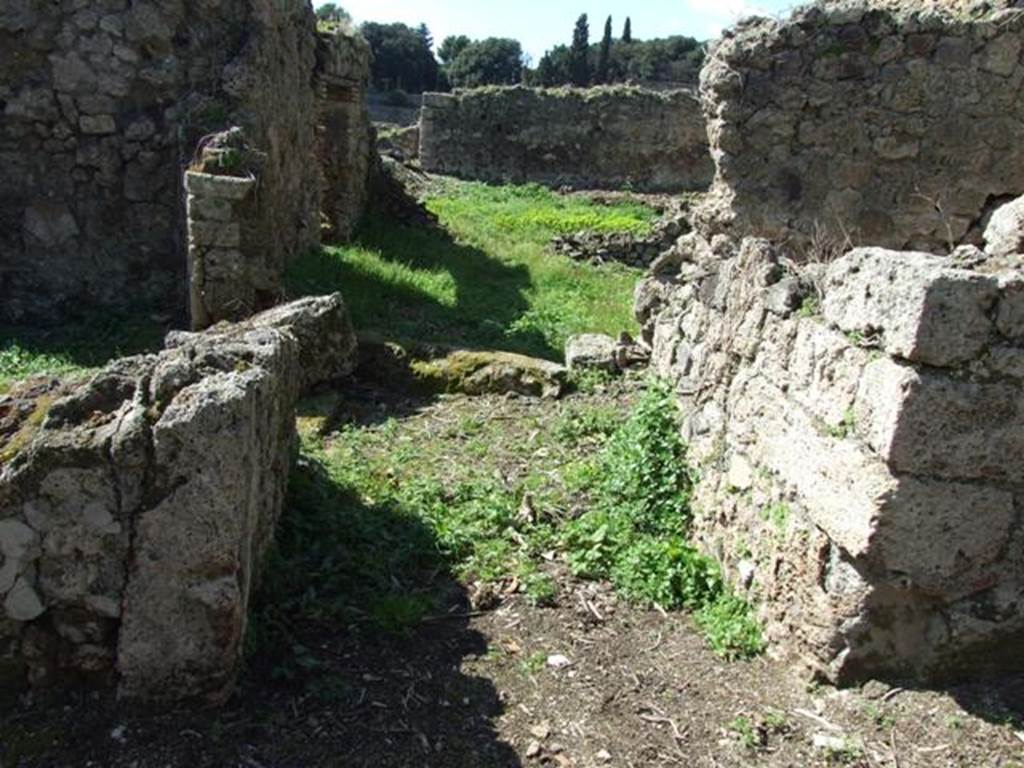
pixel 134 518
pixel 601 138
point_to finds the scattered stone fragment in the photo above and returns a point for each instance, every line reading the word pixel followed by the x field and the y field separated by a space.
pixel 1004 235
pixel 558 661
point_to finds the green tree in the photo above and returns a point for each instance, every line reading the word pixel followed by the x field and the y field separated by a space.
pixel 604 58
pixel 330 12
pixel 553 68
pixel 424 34
pixel 402 59
pixel 579 53
pixel 451 47
pixel 627 31
pixel 494 61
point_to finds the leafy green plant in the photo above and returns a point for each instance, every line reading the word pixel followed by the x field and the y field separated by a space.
pixel 809 307
pixel 743 728
pixel 635 532
pixel 579 424
pixel 777 514
pixel 844 428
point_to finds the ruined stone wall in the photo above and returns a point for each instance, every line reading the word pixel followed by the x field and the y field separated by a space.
pixel 101 108
pixel 601 138
pixel 343 129
pixel 859 431
pixel 135 508
pixel 856 414
pixel 890 122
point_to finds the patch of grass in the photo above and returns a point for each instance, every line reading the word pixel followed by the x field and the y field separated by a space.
pixel 487 278
pixel 339 557
pixel 809 307
pixel 577 425
pixel 777 514
pixel 75 348
pixel 535 212
pixel 635 532
pixel 743 728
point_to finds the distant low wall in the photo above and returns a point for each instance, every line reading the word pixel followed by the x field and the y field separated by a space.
pixel 601 138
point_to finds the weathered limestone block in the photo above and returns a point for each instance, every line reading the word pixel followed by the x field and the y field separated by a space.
pixel 885 122
pixel 601 138
pixel 919 307
pixel 1004 235
pixel 133 520
pixel 591 350
pixel 862 469
pixel 929 424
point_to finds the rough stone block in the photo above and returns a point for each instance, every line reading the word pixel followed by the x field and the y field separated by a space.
pixel 590 350
pixel 215 234
pixel 97 124
pixel 915 306
pixel 931 424
pixel 227 187
pixel 1004 235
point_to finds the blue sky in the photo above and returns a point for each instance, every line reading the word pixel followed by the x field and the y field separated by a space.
pixel 542 24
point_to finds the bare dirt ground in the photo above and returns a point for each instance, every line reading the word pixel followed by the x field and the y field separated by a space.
pixel 590 681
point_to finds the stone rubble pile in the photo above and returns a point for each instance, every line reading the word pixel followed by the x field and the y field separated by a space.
pixel 623 247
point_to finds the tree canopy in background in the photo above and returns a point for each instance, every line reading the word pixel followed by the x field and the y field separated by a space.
pixel 494 61
pixel 675 59
pixel 604 57
pixel 579 53
pixel 451 47
pixel 402 57
pixel 330 12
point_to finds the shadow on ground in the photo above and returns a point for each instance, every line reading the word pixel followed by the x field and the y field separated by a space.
pixel 90 341
pixel 354 658
pixel 489 294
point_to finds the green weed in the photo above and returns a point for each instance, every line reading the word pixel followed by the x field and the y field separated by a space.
pixel 743 728
pixel 635 532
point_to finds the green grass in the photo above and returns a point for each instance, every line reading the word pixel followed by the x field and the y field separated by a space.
pixel 75 348
pixel 487 278
pixel 382 516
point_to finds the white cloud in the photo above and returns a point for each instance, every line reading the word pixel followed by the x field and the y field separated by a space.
pixel 716 15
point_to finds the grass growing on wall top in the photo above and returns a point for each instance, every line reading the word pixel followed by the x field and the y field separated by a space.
pixel 487 278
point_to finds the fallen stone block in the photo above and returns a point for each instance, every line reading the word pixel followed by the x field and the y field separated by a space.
pixel 594 351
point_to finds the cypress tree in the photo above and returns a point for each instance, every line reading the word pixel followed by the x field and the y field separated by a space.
pixel 579 53
pixel 604 61
pixel 627 31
